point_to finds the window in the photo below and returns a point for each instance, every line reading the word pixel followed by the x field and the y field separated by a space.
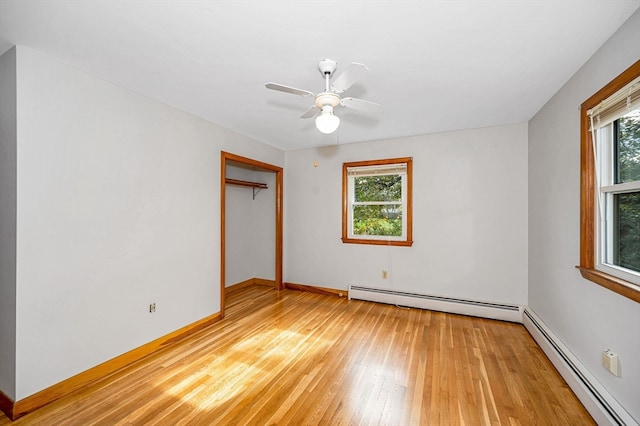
pixel 376 202
pixel 618 160
pixel 610 185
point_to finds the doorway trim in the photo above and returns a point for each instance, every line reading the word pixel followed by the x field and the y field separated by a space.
pixel 259 166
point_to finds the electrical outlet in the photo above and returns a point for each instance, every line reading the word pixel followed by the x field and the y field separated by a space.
pixel 610 362
pixel 152 307
pixel 384 275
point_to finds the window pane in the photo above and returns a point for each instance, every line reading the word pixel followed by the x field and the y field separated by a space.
pixel 627 229
pixel 378 220
pixel 628 147
pixel 378 188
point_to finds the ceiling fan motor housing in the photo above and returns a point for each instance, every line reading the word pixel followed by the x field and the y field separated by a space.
pixel 327 66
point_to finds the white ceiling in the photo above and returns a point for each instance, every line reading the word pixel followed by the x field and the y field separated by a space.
pixel 435 66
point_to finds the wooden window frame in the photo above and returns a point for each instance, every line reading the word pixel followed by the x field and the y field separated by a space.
pixel 408 241
pixel 588 193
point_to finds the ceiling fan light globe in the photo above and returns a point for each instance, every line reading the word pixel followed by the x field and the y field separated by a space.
pixel 327 122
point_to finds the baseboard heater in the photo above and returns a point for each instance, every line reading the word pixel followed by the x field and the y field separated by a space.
pixel 597 400
pixel 500 311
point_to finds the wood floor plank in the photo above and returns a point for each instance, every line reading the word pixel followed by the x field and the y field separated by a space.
pixel 292 357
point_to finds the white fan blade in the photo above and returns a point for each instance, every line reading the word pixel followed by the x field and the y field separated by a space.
pixel 311 112
pixel 359 104
pixel 288 89
pixel 348 77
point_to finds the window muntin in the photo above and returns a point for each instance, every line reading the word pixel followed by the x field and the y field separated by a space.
pixel 601 185
pixel 377 202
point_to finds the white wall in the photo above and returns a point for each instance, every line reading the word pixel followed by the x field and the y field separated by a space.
pixel 118 207
pixel 264 224
pixel 585 316
pixel 8 222
pixel 238 228
pixel 469 217
pixel 249 228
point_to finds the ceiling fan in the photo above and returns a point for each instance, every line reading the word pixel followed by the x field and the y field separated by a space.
pixel 330 98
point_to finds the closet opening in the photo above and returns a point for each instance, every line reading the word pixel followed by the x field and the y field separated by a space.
pixel 251 224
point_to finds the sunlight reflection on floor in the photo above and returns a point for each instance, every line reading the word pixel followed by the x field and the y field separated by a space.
pixel 239 372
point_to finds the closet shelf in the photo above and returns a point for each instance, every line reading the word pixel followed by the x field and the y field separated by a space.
pixel 256 186
pixel 245 183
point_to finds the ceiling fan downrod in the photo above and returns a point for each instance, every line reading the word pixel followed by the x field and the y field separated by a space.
pixel 327 67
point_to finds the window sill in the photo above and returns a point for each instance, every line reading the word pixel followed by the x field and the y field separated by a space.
pixel 620 286
pixel 377 242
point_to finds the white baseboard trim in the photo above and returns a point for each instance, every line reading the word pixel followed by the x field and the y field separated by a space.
pixel 604 409
pixel 476 308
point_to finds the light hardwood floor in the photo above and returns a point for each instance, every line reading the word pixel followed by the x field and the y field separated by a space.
pixel 300 358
